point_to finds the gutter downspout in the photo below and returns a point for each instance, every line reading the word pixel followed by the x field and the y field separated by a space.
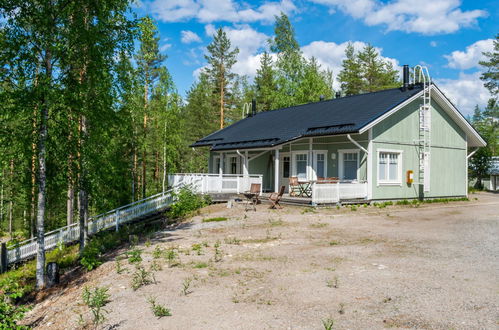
pixel 472 153
pixel 357 144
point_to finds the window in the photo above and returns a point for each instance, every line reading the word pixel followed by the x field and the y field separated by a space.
pixel 233 165
pixel 285 166
pixel 216 167
pixel 301 165
pixel 389 167
pixel 320 165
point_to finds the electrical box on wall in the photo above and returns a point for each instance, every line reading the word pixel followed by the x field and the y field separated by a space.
pixel 410 177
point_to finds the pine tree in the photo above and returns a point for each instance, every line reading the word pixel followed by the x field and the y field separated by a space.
pixel 491 76
pixel 265 85
pixel 220 59
pixel 350 76
pixel 149 60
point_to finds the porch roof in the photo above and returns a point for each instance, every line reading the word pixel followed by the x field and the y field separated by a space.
pixel 345 115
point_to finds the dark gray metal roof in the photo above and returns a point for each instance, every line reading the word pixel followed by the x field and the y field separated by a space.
pixel 343 115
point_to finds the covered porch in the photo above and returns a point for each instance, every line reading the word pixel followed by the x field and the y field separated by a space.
pixel 333 168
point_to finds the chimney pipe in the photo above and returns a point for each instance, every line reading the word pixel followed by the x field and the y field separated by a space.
pixel 253 107
pixel 405 77
pixel 321 98
pixel 338 95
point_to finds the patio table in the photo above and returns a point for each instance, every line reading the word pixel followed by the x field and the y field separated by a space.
pixel 305 188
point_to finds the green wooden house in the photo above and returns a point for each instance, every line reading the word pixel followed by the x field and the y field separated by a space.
pixel 403 143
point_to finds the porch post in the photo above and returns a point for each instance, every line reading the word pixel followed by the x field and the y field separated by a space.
pixel 221 171
pixel 245 164
pixel 310 160
pixel 276 171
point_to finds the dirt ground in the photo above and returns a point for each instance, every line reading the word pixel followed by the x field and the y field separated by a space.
pixel 435 266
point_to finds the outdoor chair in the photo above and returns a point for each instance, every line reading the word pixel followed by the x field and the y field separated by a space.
pixel 275 198
pixel 252 196
pixel 294 186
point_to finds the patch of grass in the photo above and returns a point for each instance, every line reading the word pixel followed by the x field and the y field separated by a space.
pixel 186 285
pixel 172 257
pixel 134 256
pixel 333 243
pixel 333 283
pixel 216 219
pixel 158 310
pixel 308 210
pixel 201 265
pixel 158 252
pixel 232 240
pixel 186 203
pixel 218 254
pixel 141 277
pixel 341 308
pixel 319 225
pixel 328 323
pixel 198 248
pixel 96 299
pixel 119 266
pixel 353 208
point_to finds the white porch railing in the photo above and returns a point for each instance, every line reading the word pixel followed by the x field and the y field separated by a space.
pixel 215 183
pixel 113 218
pixel 325 193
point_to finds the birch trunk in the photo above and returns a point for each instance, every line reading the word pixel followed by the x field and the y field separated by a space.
pixel 42 179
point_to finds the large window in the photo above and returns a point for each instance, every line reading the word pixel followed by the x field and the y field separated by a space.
pixel 389 167
pixel 301 166
pixel 233 165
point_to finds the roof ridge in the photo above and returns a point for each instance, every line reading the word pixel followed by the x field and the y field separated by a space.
pixel 330 100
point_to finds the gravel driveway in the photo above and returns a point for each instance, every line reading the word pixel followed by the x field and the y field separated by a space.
pixel 431 267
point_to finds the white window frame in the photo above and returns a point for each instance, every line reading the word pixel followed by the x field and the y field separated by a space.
pixel 228 164
pixel 293 162
pixel 400 166
pixel 341 169
pixel 216 169
pixel 314 166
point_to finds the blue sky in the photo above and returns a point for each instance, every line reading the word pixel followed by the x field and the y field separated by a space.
pixel 448 36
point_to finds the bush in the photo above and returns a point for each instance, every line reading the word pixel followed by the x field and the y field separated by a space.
pixel 186 201
pixel 10 315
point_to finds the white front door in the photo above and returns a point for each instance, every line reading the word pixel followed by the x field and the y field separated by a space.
pixel 285 164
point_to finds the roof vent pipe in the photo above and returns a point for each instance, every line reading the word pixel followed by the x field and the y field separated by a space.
pixel 253 107
pixel 321 98
pixel 338 95
pixel 405 77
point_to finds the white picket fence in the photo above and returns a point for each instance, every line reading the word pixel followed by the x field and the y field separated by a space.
pixel 216 183
pixel 121 215
pixel 327 193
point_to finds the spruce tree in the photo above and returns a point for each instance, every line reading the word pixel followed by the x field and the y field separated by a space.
pixel 350 76
pixel 265 84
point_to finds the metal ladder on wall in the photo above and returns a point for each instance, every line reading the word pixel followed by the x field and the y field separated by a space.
pixel 421 75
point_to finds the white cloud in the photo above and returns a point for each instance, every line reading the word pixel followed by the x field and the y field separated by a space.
pixel 188 37
pixel 424 16
pixel 433 43
pixel 164 47
pixel 207 11
pixel 471 56
pixel 465 92
pixel 330 55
